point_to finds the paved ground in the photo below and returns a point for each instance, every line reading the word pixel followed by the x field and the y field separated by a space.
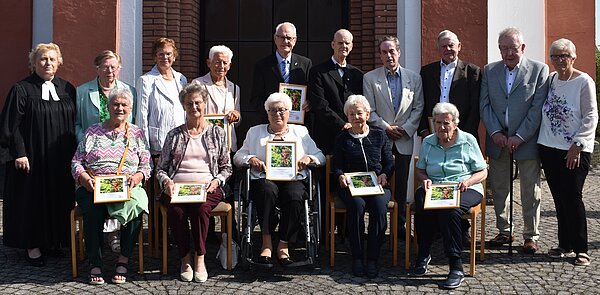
pixel 498 274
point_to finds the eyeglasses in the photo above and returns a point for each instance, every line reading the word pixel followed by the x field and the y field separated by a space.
pixel 514 49
pixel 287 38
pixel 277 111
pixel 109 68
pixel 557 57
pixel 192 104
pixel 164 54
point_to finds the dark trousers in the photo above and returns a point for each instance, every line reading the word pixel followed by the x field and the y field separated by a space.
pixel 356 207
pixel 447 221
pixel 288 196
pixel 566 187
pixel 402 167
pixel 198 215
pixel 93 225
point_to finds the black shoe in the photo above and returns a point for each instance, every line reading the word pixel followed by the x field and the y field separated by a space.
pixel 455 278
pixel 37 262
pixel 265 261
pixel 421 264
pixel 372 269
pixel 285 261
pixel 358 269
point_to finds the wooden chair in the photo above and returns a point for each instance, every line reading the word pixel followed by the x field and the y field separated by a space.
pixel 76 216
pixel 223 210
pixel 335 205
pixel 470 215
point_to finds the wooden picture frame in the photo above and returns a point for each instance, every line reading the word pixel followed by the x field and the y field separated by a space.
pixel 442 196
pixel 364 184
pixel 297 94
pixel 281 160
pixel 111 189
pixel 189 192
pixel 221 120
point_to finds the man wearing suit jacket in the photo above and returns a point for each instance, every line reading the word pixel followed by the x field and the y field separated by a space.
pixel 396 98
pixel 451 80
pixel 329 85
pixel 283 66
pixel 512 93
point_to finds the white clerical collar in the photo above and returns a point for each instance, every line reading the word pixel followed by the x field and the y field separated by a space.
pixel 48 90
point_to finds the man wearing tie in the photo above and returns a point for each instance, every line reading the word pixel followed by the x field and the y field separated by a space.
pixel 451 80
pixel 396 98
pixel 329 85
pixel 282 66
pixel 512 93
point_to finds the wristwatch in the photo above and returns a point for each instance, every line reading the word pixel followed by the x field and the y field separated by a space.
pixel 578 144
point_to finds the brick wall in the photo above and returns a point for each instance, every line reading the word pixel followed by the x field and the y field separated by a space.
pixel 370 20
pixel 178 20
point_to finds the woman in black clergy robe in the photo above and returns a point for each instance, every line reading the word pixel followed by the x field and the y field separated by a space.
pixel 37 135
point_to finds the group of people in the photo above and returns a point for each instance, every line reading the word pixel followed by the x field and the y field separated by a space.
pixel 367 122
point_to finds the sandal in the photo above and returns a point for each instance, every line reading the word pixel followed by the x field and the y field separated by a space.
pixel 120 274
pixel 582 259
pixel 559 252
pixel 96 279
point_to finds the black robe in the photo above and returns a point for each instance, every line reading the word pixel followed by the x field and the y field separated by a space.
pixel 37 204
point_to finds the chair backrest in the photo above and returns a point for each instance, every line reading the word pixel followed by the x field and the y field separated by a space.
pixel 328 195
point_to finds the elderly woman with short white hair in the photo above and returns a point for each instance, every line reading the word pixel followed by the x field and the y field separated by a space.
pixel 361 149
pixel 287 195
pixel 566 141
pixel 224 95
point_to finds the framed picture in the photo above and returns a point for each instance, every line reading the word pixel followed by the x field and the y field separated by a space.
pixel 442 196
pixel 297 94
pixel 281 160
pixel 221 121
pixel 110 189
pixel 364 184
pixel 189 192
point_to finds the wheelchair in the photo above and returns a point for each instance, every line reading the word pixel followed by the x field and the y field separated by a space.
pixel 247 219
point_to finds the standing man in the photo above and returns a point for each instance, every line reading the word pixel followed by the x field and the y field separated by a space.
pixel 512 93
pixel 396 98
pixel 329 85
pixel 451 80
pixel 283 66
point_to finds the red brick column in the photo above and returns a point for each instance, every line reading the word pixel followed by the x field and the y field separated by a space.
pixel 370 20
pixel 178 20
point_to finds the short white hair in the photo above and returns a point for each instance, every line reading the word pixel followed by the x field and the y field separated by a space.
pixel 285 24
pixel 563 44
pixel 122 93
pixel 446 108
pixel 356 101
pixel 278 97
pixel 511 32
pixel 220 49
pixel 447 34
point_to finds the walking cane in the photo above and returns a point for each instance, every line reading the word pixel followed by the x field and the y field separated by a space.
pixel 510 216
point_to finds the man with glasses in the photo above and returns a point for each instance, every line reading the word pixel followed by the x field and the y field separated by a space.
pixel 511 97
pixel 282 66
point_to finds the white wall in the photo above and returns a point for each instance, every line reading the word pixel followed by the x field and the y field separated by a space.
pixel 528 16
pixel 42 22
pixel 129 39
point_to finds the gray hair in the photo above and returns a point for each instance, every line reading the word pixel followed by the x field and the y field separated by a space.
pixel 285 24
pixel 563 44
pixel 390 38
pixel 511 32
pixel 120 93
pixel 193 88
pixel 220 49
pixel 447 34
pixel 356 101
pixel 446 108
pixel 278 97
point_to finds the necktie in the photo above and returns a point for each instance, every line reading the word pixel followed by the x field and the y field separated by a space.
pixel 48 90
pixel 285 73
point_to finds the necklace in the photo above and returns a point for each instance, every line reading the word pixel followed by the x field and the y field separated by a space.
pixel 277 133
pixel 113 135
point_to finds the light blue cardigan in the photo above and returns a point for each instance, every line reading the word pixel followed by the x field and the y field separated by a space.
pixel 88 105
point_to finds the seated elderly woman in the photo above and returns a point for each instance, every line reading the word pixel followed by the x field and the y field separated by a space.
pixel 448 155
pixel 114 147
pixel 193 152
pixel 362 149
pixel 287 195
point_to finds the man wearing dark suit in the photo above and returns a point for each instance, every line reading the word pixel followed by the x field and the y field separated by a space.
pixel 513 91
pixel 282 66
pixel 451 80
pixel 329 85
